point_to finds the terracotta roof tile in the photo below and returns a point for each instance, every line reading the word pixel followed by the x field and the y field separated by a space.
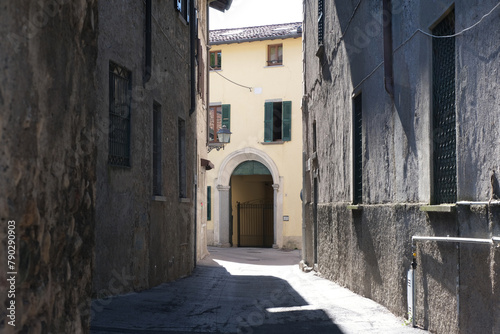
pixel 248 34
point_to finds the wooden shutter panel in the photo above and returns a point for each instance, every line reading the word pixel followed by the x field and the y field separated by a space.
pixel 226 116
pixel 287 120
pixel 268 122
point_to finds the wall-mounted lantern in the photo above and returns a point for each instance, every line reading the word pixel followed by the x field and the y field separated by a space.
pixel 223 136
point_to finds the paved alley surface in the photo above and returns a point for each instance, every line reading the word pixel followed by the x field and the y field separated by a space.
pixel 246 290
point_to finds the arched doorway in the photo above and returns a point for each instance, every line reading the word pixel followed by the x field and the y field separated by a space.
pixel 222 195
pixel 252 205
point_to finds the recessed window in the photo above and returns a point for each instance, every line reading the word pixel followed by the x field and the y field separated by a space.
pixel 358 150
pixel 444 114
pixel 209 203
pixel 157 178
pixel 321 22
pixel 275 54
pixel 182 158
pixel 120 88
pixel 215 60
pixel 277 121
pixel 182 7
pixel 218 117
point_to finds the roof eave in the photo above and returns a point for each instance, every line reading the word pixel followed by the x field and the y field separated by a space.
pixel 256 39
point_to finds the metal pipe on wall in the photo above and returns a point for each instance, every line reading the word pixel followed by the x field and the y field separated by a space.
pixel 411 274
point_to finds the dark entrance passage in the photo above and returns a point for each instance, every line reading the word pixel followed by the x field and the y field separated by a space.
pixel 255 225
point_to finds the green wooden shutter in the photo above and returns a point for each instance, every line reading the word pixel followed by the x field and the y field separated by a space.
pixel 226 116
pixel 268 122
pixel 287 120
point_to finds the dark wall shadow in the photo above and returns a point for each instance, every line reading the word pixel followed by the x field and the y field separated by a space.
pixel 212 300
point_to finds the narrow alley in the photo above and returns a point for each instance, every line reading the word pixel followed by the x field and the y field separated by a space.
pixel 245 290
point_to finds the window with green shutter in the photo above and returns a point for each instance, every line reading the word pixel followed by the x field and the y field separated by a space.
pixel 278 121
pixel 287 121
pixel 226 116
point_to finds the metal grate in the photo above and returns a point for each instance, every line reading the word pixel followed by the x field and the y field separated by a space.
pixel 358 150
pixel 119 115
pixel 182 158
pixel 321 20
pixel 255 225
pixel 444 115
pixel 157 184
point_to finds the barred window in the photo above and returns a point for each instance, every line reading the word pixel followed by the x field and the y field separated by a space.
pixel 358 150
pixel 157 178
pixel 120 89
pixel 321 21
pixel 182 158
pixel 444 115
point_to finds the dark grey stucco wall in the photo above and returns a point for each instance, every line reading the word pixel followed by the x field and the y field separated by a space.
pixel 142 240
pixel 48 53
pixel 369 250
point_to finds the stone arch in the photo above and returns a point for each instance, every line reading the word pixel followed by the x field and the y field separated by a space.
pixel 228 165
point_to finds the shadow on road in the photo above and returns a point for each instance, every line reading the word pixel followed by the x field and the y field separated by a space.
pixel 212 300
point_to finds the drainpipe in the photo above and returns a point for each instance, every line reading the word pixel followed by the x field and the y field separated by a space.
pixel 193 37
pixel 148 61
pixel 478 203
pixel 415 239
pixel 388 56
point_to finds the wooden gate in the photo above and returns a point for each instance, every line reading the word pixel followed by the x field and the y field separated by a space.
pixel 255 225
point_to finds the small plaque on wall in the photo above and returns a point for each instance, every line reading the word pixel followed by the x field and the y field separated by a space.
pixel 286 218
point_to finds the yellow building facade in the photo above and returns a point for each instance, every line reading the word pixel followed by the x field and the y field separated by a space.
pixel 253 192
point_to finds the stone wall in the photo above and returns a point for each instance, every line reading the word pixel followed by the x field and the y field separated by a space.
pixel 47 159
pixel 142 240
pixel 368 248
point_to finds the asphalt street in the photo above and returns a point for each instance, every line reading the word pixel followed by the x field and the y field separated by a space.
pixel 246 290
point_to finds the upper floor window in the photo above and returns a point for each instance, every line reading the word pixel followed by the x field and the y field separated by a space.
pixel 182 7
pixel 157 161
pixel 444 112
pixel 278 121
pixel 182 158
pixel 275 54
pixel 215 60
pixel 120 88
pixel 358 150
pixel 321 21
pixel 219 116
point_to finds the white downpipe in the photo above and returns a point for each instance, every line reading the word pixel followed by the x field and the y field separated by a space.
pixel 415 238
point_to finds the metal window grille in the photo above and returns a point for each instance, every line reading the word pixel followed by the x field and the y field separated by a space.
pixel 321 21
pixel 182 159
pixel 119 115
pixel 209 203
pixel 358 150
pixel 444 115
pixel 157 177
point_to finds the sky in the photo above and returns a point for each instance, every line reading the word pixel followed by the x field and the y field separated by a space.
pixel 248 13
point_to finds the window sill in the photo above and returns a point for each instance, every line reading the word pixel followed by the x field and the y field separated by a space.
pixel 184 200
pixel 271 66
pixel 215 70
pixel 439 208
pixel 278 142
pixel 158 198
pixel 355 207
pixel 181 17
